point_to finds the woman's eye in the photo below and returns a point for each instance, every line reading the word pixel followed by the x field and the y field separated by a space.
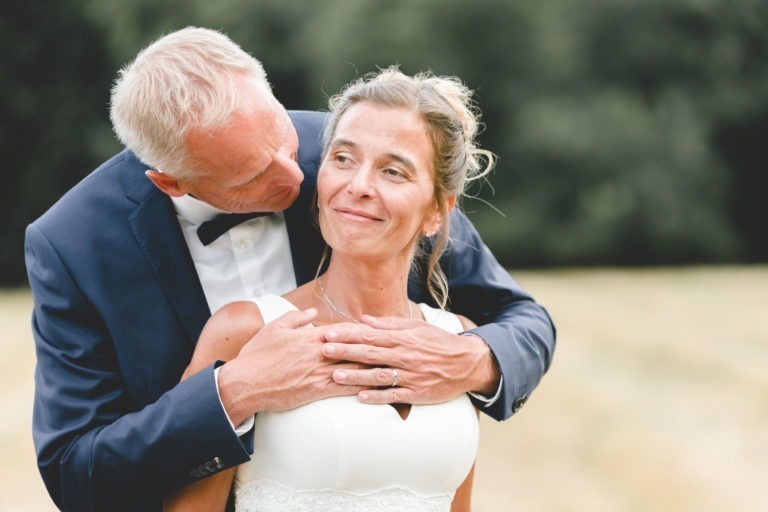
pixel 393 172
pixel 342 159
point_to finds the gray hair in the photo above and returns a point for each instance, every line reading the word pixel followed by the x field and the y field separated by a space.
pixel 184 80
pixel 453 121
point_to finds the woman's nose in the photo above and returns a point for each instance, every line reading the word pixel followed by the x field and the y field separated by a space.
pixel 361 184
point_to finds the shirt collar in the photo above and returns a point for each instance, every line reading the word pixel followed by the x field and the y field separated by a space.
pixel 194 210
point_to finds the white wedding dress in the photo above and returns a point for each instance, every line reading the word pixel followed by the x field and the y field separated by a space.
pixel 340 455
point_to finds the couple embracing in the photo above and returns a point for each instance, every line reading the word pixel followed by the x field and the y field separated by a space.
pixel 253 302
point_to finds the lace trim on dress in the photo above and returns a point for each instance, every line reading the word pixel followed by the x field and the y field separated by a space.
pixel 266 496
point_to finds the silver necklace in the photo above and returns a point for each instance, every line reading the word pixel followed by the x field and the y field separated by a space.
pixel 337 310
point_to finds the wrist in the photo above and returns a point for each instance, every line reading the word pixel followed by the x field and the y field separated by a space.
pixel 486 374
pixel 236 395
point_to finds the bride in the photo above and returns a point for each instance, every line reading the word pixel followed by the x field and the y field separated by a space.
pixel 398 151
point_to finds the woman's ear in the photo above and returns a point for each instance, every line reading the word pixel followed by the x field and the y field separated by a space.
pixel 435 220
pixel 168 184
pixel 450 202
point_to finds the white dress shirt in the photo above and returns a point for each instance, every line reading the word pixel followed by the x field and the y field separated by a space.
pixel 250 260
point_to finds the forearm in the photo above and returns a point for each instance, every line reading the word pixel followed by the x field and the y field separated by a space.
pixel 486 374
pixel 109 433
pixel 485 368
pixel 140 457
pixel 522 341
pixel 517 330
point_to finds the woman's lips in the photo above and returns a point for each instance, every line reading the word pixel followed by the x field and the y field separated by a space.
pixel 357 215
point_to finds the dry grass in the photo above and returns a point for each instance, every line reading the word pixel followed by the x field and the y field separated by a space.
pixel 657 399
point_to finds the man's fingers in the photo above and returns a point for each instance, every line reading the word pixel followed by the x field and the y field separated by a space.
pixel 352 333
pixel 371 377
pixel 366 354
pixel 346 365
pixel 293 319
pixel 387 396
pixel 334 389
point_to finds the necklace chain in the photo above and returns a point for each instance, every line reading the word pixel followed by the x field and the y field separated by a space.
pixel 337 310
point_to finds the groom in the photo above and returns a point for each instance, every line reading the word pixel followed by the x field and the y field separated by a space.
pixel 128 265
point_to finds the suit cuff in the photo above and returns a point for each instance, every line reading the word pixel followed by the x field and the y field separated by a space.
pixel 246 425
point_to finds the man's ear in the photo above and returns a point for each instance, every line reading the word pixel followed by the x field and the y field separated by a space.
pixel 168 184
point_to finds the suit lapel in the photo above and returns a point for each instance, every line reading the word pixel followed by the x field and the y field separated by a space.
pixel 154 224
pixel 304 237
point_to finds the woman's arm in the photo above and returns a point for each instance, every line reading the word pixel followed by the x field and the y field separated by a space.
pixel 224 335
pixel 462 500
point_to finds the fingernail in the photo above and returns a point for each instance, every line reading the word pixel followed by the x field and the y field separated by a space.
pixel 331 335
pixel 329 350
pixel 339 375
pixel 363 397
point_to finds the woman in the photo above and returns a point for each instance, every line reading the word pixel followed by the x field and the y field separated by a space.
pixel 398 151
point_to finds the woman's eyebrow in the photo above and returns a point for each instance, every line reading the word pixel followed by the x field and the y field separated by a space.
pixel 397 157
pixel 343 142
pixel 404 160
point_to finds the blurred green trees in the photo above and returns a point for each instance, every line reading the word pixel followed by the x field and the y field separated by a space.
pixel 628 132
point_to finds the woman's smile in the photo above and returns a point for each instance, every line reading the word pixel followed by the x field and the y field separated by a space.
pixel 356 215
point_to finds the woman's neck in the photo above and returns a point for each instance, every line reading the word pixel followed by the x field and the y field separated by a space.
pixel 351 289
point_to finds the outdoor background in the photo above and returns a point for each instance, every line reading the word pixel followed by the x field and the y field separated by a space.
pixel 629 198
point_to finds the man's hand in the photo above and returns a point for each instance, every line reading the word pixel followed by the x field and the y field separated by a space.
pixel 432 365
pixel 280 368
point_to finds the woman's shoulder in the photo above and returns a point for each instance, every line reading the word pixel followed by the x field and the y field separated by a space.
pixel 271 306
pixel 446 320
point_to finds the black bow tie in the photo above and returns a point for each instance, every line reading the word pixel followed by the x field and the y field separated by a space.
pixel 212 229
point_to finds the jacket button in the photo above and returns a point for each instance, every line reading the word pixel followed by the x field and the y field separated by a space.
pixel 518 403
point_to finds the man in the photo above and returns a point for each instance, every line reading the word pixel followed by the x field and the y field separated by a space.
pixel 126 268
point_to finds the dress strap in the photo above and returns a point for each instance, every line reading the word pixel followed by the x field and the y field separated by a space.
pixel 272 306
pixel 441 318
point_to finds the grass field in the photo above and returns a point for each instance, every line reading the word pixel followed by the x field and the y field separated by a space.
pixel 657 399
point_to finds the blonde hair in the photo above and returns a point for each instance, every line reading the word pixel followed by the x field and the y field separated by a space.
pixel 183 80
pixel 453 121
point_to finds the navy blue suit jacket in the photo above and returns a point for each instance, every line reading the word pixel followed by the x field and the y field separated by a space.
pixel 118 308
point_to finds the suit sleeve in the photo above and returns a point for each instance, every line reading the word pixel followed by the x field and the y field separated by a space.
pixel 95 449
pixel 518 331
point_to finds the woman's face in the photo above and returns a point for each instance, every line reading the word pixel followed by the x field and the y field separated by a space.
pixel 376 185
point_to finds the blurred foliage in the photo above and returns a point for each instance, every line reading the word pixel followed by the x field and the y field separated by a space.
pixel 629 132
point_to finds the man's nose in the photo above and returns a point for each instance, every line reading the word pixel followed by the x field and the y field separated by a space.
pixel 290 172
